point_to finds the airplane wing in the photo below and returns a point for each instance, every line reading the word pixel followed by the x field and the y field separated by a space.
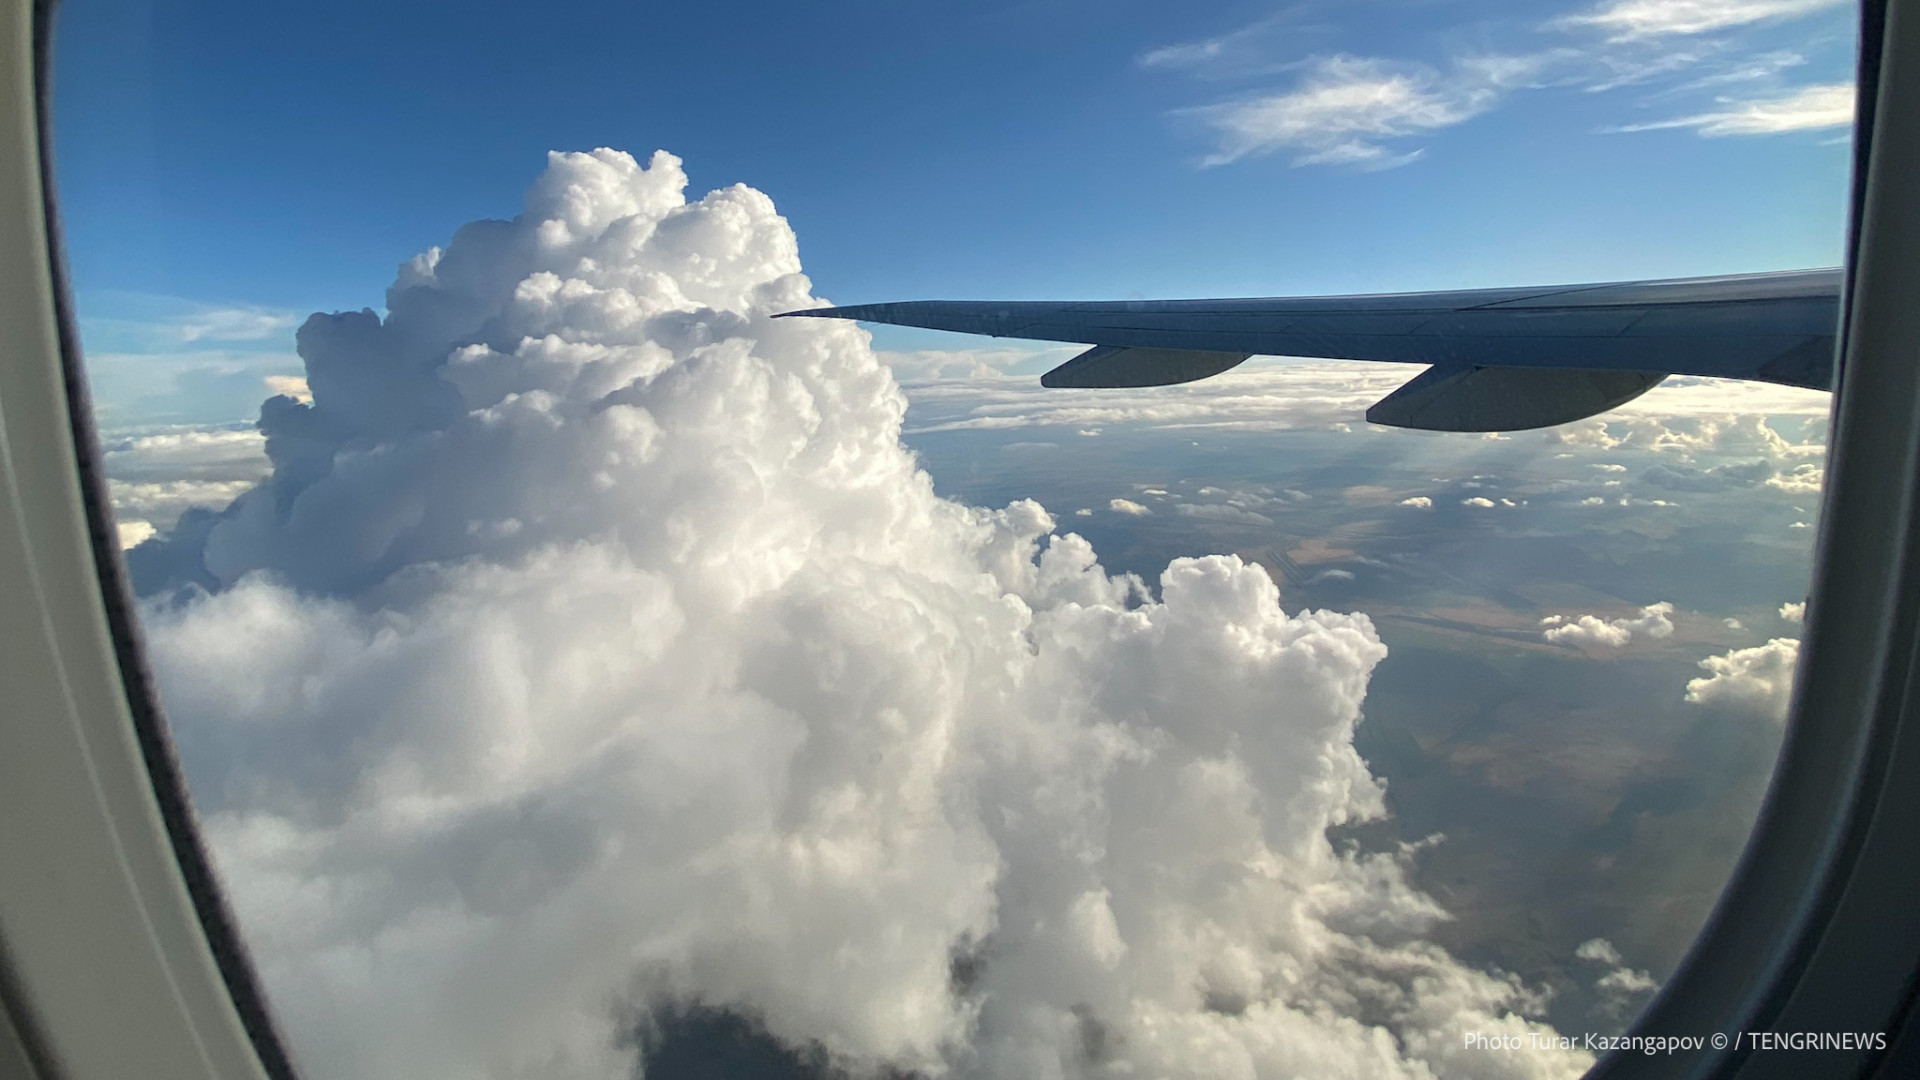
pixel 1500 359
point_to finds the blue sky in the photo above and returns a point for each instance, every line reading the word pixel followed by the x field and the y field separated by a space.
pixel 227 167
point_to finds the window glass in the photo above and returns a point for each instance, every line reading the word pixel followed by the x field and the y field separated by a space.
pixel 579 671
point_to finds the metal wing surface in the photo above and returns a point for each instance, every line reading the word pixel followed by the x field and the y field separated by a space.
pixel 1589 347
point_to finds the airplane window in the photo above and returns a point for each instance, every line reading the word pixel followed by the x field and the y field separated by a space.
pixel 579 667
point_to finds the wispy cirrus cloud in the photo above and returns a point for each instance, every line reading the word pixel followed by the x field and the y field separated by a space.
pixel 1627 20
pixel 163 357
pixel 1372 113
pixel 233 324
pixel 140 322
pixel 1210 52
pixel 1809 108
pixel 1346 110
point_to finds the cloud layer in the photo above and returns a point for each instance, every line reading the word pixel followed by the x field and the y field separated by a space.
pixel 1654 621
pixel 1372 112
pixel 596 645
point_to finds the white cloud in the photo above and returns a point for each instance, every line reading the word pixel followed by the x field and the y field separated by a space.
pixel 1703 417
pixel 605 647
pixel 940 365
pixel 1478 502
pixel 1598 950
pixel 1418 502
pixel 1759 679
pixel 293 386
pixel 1682 477
pixel 1793 612
pixel 156 357
pixel 194 445
pixel 233 324
pixel 1593 500
pixel 145 322
pixel 1362 112
pixel 1259 395
pixel 1231 51
pixel 1733 623
pixel 1128 506
pixel 1622 990
pixel 1809 108
pixel 1654 621
pixel 1222 512
pixel 1346 109
pixel 1627 19
pixel 132 531
pixel 157 476
pixel 1584 630
pixel 1685 417
pixel 1805 478
pixel 162 502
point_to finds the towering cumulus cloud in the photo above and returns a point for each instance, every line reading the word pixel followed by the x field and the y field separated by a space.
pixel 595 648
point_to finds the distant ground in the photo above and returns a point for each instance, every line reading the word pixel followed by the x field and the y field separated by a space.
pixel 1579 794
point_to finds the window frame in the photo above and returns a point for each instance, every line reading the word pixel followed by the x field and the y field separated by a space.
pixel 118 956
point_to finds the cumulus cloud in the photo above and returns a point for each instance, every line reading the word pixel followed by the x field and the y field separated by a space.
pixel 596 645
pixel 1704 417
pixel 132 532
pixel 1654 621
pixel 1584 630
pixel 293 386
pixel 1805 478
pixel 1793 612
pixel 1622 990
pixel 1418 502
pixel 1478 502
pixel 1718 478
pixel 1758 680
pixel 1128 506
